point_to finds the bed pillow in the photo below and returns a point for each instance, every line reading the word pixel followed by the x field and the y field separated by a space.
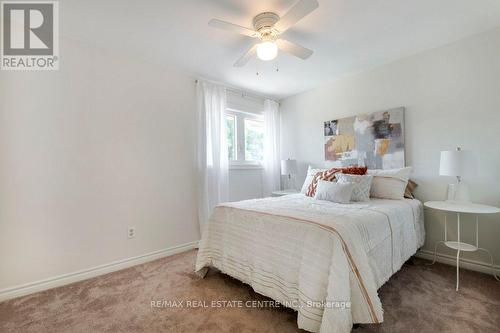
pixel 327 175
pixel 410 188
pixel 334 192
pixel 311 172
pixel 362 185
pixel 389 184
pixel 355 170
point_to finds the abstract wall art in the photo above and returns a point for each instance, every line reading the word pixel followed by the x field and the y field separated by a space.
pixel 375 140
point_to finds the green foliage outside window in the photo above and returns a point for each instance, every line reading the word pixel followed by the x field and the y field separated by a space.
pixel 231 140
pixel 254 140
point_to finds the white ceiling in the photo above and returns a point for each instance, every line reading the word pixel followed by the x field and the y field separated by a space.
pixel 346 35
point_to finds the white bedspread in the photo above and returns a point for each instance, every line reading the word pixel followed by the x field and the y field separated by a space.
pixel 324 260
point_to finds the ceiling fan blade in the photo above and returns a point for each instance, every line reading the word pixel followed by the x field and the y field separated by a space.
pixel 242 61
pixel 301 9
pixel 294 49
pixel 232 27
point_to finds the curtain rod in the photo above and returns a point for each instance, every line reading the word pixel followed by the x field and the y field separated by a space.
pixel 237 90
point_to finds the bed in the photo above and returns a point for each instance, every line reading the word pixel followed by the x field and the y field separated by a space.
pixel 325 260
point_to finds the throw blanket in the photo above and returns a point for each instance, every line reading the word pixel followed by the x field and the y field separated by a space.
pixel 307 254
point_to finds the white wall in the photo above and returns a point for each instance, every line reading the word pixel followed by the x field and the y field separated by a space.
pixel 452 97
pixel 105 143
pixel 245 184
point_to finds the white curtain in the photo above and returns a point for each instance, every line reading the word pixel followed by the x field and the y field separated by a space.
pixel 212 149
pixel 271 163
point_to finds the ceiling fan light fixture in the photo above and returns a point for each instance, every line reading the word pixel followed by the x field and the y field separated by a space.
pixel 267 30
pixel 267 51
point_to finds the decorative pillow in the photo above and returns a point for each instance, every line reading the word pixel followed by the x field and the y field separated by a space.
pixel 355 170
pixel 362 184
pixel 410 188
pixel 327 175
pixel 389 184
pixel 310 175
pixel 311 172
pixel 334 192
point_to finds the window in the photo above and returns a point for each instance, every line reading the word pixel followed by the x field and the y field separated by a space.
pixel 231 137
pixel 254 140
pixel 245 138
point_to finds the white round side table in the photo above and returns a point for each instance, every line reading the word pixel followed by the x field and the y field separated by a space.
pixel 462 208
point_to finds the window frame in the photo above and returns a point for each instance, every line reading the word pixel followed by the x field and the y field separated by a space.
pixel 240 116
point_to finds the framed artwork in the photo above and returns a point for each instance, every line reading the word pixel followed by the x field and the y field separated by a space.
pixel 375 140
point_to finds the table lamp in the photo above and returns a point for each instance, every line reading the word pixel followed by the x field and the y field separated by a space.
pixel 456 163
pixel 288 168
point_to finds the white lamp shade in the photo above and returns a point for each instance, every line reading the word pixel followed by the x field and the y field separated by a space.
pixel 288 167
pixel 455 163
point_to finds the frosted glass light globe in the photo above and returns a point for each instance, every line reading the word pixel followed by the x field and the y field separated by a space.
pixel 267 51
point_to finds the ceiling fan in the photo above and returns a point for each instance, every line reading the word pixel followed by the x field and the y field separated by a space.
pixel 268 27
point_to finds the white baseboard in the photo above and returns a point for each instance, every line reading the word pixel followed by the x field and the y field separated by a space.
pixel 472 265
pixel 84 274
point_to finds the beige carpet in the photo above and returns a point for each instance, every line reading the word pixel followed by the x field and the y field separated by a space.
pixel 419 298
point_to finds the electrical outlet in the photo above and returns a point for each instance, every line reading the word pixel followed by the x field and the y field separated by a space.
pixel 131 232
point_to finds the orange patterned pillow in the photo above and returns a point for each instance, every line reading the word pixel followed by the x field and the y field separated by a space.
pixel 355 170
pixel 410 188
pixel 328 175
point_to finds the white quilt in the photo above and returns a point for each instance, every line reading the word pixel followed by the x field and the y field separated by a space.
pixel 323 259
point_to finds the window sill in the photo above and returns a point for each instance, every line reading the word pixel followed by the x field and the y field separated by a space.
pixel 245 167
